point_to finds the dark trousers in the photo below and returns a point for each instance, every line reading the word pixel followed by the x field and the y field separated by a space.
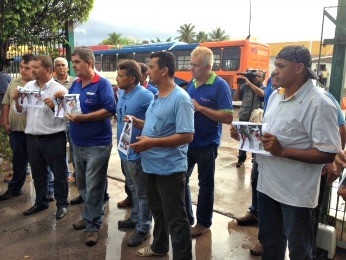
pixel 242 156
pixel 18 141
pixel 49 150
pixel 127 190
pixel 280 223
pixel 166 196
pixel 205 159
pixel 254 178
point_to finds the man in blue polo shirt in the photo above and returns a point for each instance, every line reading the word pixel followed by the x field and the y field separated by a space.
pixel 91 134
pixel 133 100
pixel 213 106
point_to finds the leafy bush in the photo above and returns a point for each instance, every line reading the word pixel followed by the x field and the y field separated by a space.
pixel 5 152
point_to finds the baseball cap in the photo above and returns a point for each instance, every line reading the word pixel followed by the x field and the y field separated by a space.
pixel 299 54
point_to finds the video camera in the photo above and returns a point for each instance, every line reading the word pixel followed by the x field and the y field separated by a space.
pixel 249 74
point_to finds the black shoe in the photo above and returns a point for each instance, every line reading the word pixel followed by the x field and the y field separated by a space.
pixel 77 200
pixel 51 196
pixel 34 209
pixel 10 194
pixel 127 223
pixel 137 238
pixel 61 212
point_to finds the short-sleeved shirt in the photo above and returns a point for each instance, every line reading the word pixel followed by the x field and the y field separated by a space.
pixel 134 103
pixel 42 120
pixel 67 83
pixel 308 119
pixel 214 94
pixel 165 117
pixel 17 121
pixel 96 95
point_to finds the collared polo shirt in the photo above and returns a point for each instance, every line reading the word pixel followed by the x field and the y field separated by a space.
pixel 214 94
pixel 98 94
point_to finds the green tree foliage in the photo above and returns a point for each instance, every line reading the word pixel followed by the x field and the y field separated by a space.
pixel 5 152
pixel 113 39
pixel 218 35
pixel 202 37
pixel 33 21
pixel 187 33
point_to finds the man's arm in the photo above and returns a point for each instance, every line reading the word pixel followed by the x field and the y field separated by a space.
pixel 94 116
pixel 145 143
pixel 310 155
pixel 5 121
pixel 225 117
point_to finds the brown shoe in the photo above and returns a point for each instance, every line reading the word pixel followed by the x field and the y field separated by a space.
pixel 8 177
pixel 248 220
pixel 79 224
pixel 257 250
pixel 198 230
pixel 91 238
pixel 126 203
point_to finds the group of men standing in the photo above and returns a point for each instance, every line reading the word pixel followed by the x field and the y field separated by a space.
pixel 172 131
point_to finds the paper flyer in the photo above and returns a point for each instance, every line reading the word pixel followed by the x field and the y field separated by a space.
pixel 30 98
pixel 250 136
pixel 125 138
pixel 72 104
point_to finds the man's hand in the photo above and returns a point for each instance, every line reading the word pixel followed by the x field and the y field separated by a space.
pixel 49 103
pixel 144 143
pixel 271 144
pixel 234 133
pixel 342 192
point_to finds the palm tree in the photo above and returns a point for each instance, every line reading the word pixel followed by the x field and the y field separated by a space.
pixel 113 39
pixel 187 33
pixel 218 35
pixel 202 37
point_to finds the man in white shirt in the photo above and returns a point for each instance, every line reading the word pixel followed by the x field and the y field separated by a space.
pixel 46 139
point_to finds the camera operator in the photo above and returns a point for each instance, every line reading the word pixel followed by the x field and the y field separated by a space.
pixel 251 93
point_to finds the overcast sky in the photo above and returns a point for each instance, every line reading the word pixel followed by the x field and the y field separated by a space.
pixel 271 20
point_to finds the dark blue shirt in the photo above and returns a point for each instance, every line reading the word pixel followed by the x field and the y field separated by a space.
pixel 96 95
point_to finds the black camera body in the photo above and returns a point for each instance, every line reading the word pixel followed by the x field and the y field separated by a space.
pixel 249 74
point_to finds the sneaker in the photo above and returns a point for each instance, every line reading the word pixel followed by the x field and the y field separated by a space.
pixel 137 238
pixel 91 238
pixel 79 225
pixel 10 194
pixel 198 230
pixel 51 196
pixel 257 250
pixel 239 164
pixel 77 200
pixel 127 223
pixel 146 251
pixel 248 220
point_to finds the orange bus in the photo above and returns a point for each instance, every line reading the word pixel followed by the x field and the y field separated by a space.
pixel 230 58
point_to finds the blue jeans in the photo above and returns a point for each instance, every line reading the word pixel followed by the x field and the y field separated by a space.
pixel 205 160
pixel 140 210
pixel 166 195
pixel 49 151
pixel 280 223
pixel 91 176
pixel 18 141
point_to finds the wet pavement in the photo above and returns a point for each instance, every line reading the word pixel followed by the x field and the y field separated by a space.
pixel 41 236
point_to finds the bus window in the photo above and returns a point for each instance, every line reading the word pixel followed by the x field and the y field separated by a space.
pixel 217 59
pixel 183 60
pixel 98 60
pixel 124 56
pixel 109 62
pixel 231 59
pixel 141 57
